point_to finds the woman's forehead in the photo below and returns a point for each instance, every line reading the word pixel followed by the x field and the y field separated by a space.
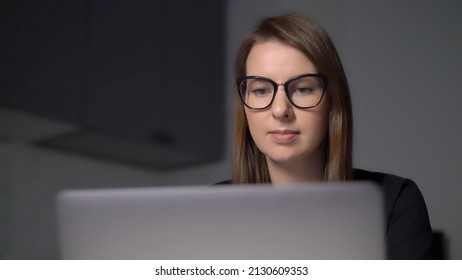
pixel 277 61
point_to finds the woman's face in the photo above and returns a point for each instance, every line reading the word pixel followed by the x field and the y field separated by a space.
pixel 284 133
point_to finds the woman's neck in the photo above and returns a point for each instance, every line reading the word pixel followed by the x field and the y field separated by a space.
pixel 297 171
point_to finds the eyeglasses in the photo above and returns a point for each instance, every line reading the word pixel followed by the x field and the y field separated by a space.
pixel 304 91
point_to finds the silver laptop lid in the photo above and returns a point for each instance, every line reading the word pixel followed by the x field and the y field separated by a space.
pixel 319 221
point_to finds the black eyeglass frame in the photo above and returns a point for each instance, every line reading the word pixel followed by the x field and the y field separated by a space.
pixel 286 89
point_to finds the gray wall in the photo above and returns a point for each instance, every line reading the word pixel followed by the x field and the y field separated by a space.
pixel 402 62
pixel 405 66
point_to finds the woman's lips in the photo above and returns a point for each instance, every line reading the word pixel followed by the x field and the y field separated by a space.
pixel 283 136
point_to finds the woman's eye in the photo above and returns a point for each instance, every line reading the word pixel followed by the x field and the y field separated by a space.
pixel 261 91
pixel 303 91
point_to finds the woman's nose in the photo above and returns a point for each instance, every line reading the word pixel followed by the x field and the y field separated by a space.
pixel 281 107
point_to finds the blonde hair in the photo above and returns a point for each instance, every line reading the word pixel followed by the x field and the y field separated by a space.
pixel 306 35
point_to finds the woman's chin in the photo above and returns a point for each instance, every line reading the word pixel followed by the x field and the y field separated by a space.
pixel 283 159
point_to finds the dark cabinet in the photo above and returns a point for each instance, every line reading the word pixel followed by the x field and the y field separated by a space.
pixel 141 81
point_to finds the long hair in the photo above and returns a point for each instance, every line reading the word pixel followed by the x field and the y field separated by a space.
pixel 306 35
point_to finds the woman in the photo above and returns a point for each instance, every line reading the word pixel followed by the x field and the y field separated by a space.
pixel 294 124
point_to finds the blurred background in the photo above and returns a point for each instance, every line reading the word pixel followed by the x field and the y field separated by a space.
pixel 97 94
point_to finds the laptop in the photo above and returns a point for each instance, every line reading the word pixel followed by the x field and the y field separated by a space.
pixel 317 221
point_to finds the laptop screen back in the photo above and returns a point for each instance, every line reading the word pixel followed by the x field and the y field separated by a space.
pixel 319 221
